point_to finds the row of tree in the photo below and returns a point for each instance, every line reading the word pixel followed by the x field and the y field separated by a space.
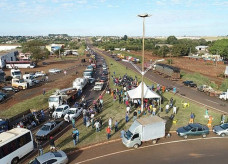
pixel 163 47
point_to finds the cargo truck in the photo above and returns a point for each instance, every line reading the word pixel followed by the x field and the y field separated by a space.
pixel 144 129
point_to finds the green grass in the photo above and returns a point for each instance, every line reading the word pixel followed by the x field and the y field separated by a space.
pixel 224 85
pixel 38 103
pixel 117 111
pixel 198 79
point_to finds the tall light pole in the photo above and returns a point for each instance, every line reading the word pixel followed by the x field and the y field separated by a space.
pixel 142 93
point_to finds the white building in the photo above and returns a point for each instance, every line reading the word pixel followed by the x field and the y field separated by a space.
pixel 201 48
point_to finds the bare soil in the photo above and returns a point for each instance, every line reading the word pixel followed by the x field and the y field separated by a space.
pixel 207 68
pixel 59 80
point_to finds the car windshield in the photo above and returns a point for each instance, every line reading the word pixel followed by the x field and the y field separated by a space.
pixel 57 154
pixel 187 128
pixel 53 99
pixel 35 161
pixel 87 73
pixel 59 110
pixel 16 73
pixel 71 112
pixel 21 80
pixel 128 135
pixel 224 126
pixel 45 128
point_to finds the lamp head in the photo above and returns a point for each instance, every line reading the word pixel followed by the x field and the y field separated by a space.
pixel 144 15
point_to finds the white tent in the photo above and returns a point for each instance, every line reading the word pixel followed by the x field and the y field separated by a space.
pixel 137 92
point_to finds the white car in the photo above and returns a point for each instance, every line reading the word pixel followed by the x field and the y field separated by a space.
pixel 54 70
pixel 39 74
pixel 73 113
pixel 61 111
pixel 98 86
pixel 56 157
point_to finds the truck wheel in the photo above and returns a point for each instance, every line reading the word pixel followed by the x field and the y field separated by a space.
pixel 204 135
pixel 154 141
pixel 20 88
pixel 223 135
pixel 15 160
pixel 136 146
pixel 185 137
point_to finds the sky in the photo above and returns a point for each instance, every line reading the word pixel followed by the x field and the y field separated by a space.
pixel 114 17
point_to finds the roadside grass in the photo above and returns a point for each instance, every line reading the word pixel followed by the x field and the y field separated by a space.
pixel 198 79
pixel 38 103
pixel 117 111
pixel 224 85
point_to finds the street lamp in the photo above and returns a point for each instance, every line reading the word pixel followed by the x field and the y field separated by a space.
pixel 142 93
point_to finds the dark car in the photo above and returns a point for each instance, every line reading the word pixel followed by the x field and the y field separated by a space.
pixel 2 98
pixel 189 83
pixel 193 129
pixel 105 72
pixel 3 95
pixel 9 89
pixel 103 79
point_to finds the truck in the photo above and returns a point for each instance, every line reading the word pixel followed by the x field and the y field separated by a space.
pixel 204 88
pixel 49 129
pixel 19 84
pixel 144 129
pixel 15 73
pixel 29 79
pixel 224 95
pixel 98 86
pixel 62 97
pixel 80 83
pixel 168 71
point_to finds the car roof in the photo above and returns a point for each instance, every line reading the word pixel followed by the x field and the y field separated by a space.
pixel 49 155
pixel 62 106
pixel 196 125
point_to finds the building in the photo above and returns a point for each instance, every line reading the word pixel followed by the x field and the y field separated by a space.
pixel 8 56
pixel 201 48
pixel 54 47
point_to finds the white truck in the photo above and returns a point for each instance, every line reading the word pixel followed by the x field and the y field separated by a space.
pixel 98 86
pixel 80 83
pixel 15 73
pixel 224 95
pixel 61 97
pixel 19 83
pixel 29 79
pixel 144 129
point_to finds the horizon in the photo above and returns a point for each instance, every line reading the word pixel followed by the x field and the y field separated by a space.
pixel 113 18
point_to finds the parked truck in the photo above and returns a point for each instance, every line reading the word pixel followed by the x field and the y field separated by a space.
pixel 15 73
pixel 19 84
pixel 224 95
pixel 29 79
pixel 60 97
pixel 144 129
pixel 49 129
pixel 80 83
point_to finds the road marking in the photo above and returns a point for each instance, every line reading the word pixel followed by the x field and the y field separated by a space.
pixel 212 101
pixel 143 147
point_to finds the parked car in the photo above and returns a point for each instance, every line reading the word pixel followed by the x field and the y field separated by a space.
pixel 103 79
pixel 221 130
pixel 73 113
pixel 9 89
pixel 61 111
pixel 39 74
pixel 3 95
pixel 54 70
pixel 1 98
pixel 91 80
pixel 193 129
pixel 105 72
pixel 56 157
pixel 189 83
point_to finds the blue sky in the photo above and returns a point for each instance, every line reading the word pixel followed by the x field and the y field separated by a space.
pixel 114 17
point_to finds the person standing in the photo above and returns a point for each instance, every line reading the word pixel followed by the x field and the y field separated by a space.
pixel 52 144
pixel 134 115
pixel 39 146
pixel 122 132
pixel 65 72
pixel 223 118
pixel 97 126
pixel 126 118
pixel 110 123
pixel 73 122
pixel 44 91
pixel 116 126
pixel 206 114
pixel 108 131
pixel 74 136
pixel 174 109
pixel 192 116
pixel 77 136
pixel 167 108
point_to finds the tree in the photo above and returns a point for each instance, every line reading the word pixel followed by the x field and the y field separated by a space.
pixel 172 40
pixel 219 47
pixel 36 48
pixel 163 51
pixel 125 37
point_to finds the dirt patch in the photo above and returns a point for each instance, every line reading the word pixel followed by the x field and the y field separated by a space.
pixel 55 81
pixel 207 68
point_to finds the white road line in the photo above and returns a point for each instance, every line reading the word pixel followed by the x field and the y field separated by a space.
pixel 212 101
pixel 143 147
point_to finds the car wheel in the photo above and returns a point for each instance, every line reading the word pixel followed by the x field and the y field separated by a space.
pixel 185 137
pixel 223 135
pixel 136 146
pixel 204 135
pixel 15 160
pixel 154 141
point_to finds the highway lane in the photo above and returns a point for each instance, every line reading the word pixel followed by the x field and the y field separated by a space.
pixel 183 91
pixel 168 151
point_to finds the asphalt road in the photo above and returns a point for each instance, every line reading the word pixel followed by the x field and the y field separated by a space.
pixel 186 92
pixel 210 150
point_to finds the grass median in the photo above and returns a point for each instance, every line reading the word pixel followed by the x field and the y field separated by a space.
pixel 111 108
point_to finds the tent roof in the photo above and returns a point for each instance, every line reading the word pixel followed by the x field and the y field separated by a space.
pixel 136 93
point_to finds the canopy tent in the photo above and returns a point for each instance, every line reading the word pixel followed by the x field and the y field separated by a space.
pixel 137 92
